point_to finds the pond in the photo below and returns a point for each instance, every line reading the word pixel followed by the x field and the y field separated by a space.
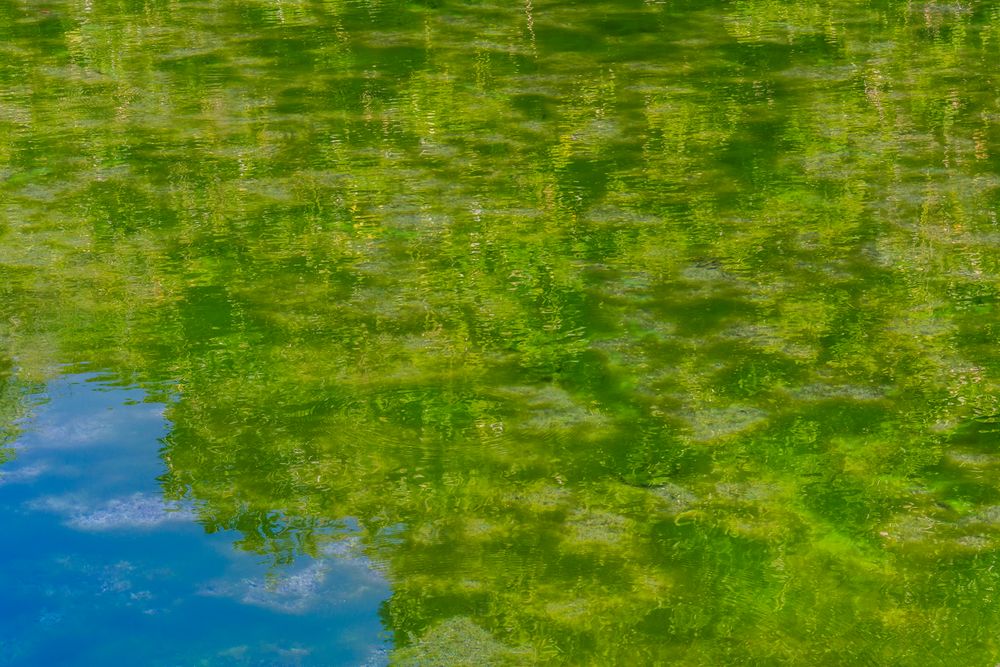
pixel 368 332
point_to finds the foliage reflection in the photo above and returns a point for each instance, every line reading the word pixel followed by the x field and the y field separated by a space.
pixel 629 332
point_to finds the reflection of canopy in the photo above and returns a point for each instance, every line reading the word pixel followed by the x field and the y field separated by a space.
pixel 644 355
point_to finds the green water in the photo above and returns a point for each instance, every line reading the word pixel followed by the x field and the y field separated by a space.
pixel 629 333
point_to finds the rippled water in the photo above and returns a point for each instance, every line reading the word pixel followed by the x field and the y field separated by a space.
pixel 435 333
pixel 100 569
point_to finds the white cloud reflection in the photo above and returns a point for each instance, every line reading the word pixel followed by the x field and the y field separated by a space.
pixel 137 511
pixel 342 574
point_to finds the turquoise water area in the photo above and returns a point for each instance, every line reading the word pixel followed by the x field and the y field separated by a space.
pixel 471 333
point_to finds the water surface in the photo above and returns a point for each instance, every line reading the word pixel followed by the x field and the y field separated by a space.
pixel 102 570
pixel 613 332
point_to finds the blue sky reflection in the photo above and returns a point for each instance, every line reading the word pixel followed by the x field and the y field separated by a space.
pixel 100 570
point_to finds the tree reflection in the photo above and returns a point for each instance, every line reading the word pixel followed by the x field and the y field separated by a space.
pixel 632 333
